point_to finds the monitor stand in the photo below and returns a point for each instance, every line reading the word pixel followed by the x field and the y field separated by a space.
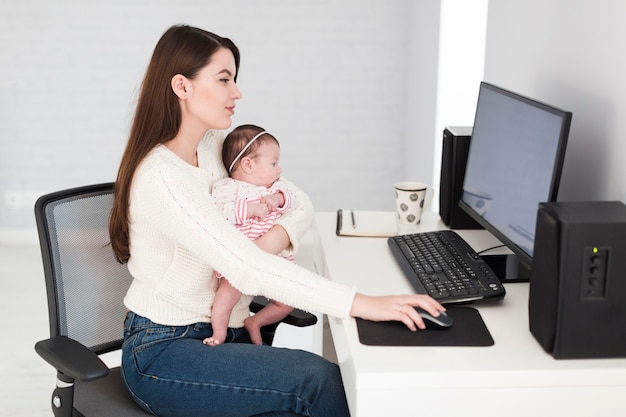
pixel 507 268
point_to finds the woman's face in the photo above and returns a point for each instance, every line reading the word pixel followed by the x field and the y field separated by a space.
pixel 211 98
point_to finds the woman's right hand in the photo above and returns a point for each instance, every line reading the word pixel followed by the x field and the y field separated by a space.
pixel 395 308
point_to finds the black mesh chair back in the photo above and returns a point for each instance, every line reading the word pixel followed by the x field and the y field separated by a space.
pixel 87 284
pixel 85 287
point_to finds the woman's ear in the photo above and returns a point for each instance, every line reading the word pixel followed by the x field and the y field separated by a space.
pixel 180 85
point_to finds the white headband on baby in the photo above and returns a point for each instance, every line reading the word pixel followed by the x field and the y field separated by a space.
pixel 230 168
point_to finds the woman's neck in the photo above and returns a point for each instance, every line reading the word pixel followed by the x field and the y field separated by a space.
pixel 185 149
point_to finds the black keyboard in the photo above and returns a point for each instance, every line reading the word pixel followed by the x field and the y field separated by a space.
pixel 444 266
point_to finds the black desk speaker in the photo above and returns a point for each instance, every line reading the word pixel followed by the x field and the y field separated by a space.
pixel 455 148
pixel 577 302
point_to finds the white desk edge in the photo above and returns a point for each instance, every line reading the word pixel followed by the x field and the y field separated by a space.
pixel 401 380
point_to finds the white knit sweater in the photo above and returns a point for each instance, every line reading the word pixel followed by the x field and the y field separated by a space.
pixel 177 237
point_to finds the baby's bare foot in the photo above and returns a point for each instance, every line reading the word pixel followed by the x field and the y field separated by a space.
pixel 214 340
pixel 254 331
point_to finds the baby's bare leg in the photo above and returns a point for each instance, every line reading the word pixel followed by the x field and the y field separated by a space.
pixel 271 313
pixel 226 297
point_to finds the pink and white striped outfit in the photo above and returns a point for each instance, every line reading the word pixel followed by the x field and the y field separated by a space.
pixel 232 198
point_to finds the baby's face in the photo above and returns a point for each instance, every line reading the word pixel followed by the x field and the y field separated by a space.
pixel 265 168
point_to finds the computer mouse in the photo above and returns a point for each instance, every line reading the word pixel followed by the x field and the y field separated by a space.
pixel 442 321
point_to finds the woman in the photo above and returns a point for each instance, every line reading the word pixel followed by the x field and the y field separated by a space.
pixel 166 226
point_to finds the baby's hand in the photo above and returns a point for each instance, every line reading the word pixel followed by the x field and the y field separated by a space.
pixel 274 201
pixel 259 210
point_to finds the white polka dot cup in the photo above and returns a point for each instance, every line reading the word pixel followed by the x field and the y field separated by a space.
pixel 411 198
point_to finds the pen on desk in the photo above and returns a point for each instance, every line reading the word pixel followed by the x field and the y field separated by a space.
pixel 352 216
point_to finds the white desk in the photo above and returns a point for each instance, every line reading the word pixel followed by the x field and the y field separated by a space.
pixel 515 377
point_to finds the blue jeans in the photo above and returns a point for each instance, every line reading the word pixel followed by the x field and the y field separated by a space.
pixel 170 372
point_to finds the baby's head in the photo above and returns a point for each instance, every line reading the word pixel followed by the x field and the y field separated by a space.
pixel 244 145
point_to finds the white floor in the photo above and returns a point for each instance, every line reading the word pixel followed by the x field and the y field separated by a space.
pixel 28 381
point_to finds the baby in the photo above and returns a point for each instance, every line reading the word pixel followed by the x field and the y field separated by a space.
pixel 252 198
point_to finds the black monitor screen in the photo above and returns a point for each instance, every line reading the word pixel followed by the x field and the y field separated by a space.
pixel 514 162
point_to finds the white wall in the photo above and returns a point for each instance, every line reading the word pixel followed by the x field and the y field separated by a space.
pixel 460 69
pixel 421 107
pixel 569 53
pixel 330 78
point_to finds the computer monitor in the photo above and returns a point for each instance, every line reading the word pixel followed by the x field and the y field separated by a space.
pixel 515 160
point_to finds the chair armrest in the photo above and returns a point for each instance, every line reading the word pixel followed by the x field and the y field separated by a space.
pixel 296 318
pixel 72 358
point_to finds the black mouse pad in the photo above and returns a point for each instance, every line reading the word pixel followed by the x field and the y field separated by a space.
pixel 468 330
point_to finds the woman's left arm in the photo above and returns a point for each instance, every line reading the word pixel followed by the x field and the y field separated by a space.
pixel 274 240
pixel 291 226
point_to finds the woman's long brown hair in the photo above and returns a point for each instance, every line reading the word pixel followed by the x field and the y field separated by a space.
pixel 181 50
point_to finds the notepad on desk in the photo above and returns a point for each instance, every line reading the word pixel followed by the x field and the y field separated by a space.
pixel 366 223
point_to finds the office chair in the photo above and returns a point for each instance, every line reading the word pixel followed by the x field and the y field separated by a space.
pixel 85 286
